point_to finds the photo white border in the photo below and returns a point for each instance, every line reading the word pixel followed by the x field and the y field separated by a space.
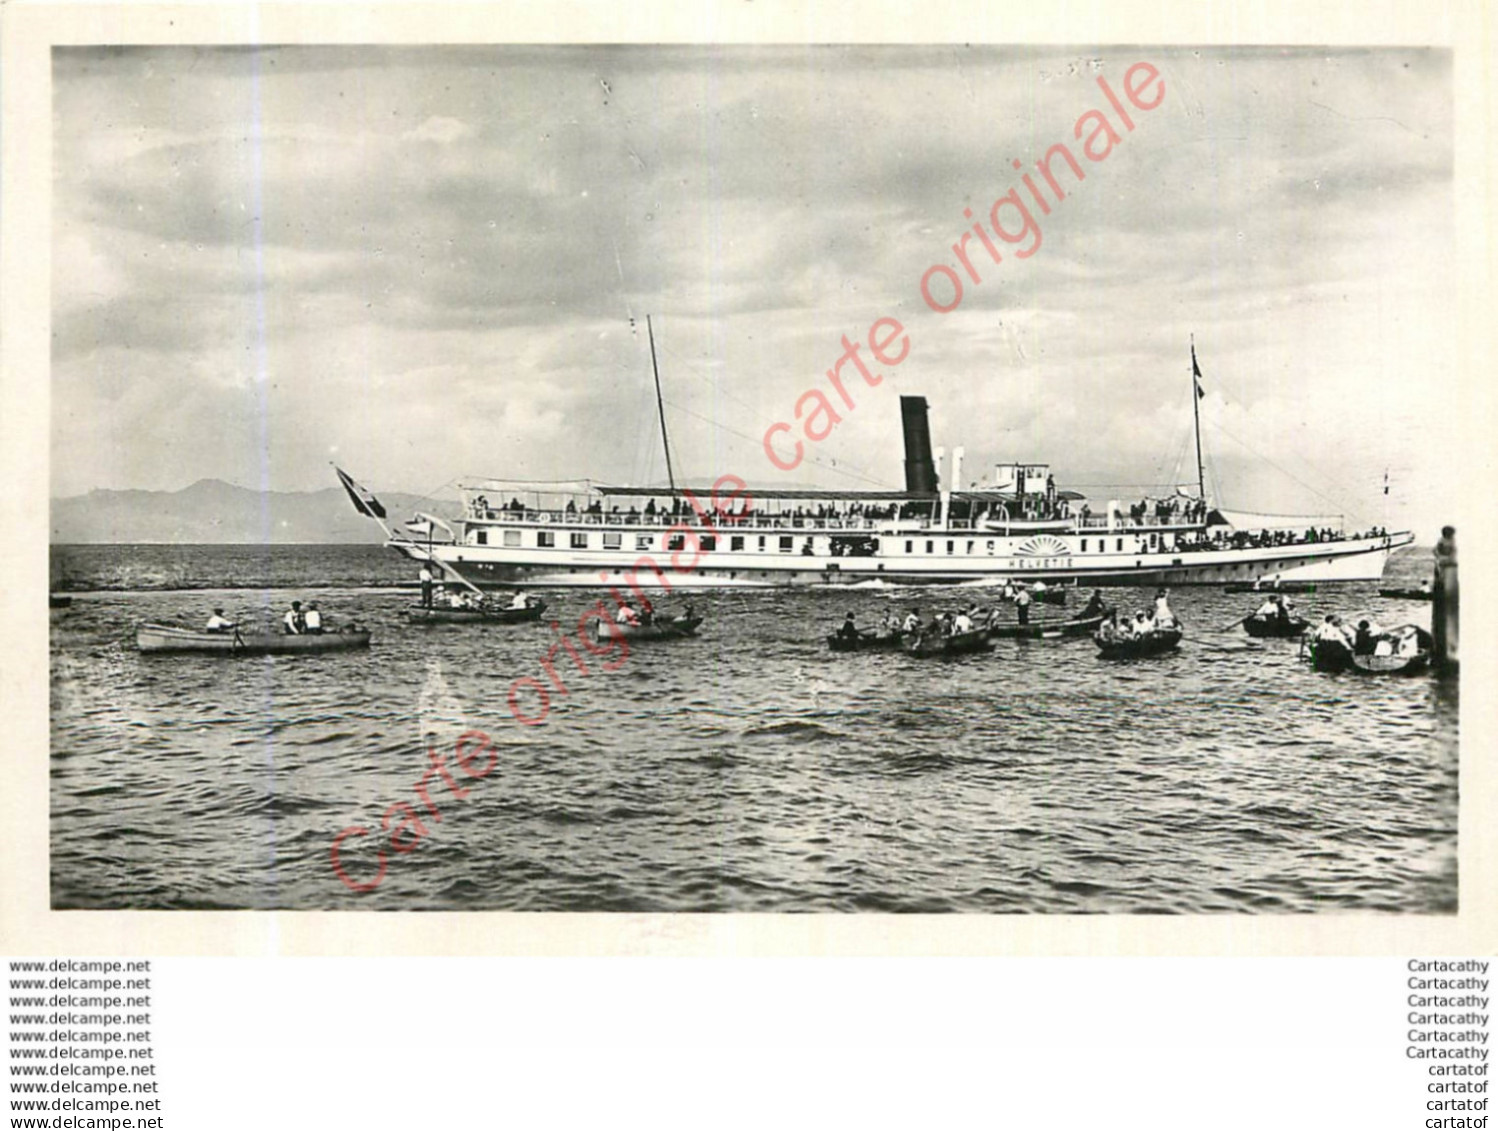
pixel 29 926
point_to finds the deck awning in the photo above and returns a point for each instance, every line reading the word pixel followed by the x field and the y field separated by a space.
pixel 817 495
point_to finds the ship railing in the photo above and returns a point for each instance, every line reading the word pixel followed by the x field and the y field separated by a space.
pixel 758 520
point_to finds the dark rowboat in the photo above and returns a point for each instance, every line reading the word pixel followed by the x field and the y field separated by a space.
pixel 1269 587
pixel 1053 596
pixel 170 638
pixel 1153 643
pixel 486 614
pixel 1083 626
pixel 927 644
pixel 1408 594
pixel 58 601
pixel 1262 627
pixel 1393 665
pixel 865 642
pixel 670 628
pixel 1334 656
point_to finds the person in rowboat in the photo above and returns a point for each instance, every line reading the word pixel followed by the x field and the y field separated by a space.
pixel 849 630
pixel 1331 631
pixel 426 586
pixel 219 623
pixel 1364 643
pixel 627 615
pixel 312 622
pixel 518 601
pixel 963 623
pixel 1094 605
pixel 294 623
pixel 1163 617
pixel 1270 608
pixel 1022 605
pixel 913 621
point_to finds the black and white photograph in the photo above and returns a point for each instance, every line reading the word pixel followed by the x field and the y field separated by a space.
pixel 945 479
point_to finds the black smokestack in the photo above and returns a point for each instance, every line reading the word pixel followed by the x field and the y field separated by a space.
pixel 920 471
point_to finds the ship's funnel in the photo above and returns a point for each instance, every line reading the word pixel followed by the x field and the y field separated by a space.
pixel 920 471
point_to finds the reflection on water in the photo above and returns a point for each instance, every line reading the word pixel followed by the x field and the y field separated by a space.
pixel 749 769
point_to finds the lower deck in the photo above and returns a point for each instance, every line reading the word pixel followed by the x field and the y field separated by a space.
pixel 1358 559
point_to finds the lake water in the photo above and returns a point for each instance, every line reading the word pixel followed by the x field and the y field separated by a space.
pixel 746 770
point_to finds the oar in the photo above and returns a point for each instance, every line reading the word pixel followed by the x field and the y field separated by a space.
pixel 1236 623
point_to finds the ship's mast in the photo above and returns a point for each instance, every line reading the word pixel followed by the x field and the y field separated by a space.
pixel 1196 412
pixel 661 405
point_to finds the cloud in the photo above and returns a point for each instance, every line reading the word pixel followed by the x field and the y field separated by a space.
pixel 270 251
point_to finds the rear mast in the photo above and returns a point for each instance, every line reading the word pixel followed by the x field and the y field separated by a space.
pixel 660 405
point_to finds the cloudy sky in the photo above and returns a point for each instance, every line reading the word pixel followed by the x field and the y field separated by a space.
pixel 434 262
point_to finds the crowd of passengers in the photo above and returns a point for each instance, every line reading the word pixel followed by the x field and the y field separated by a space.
pixel 1030 507
pixel 1258 539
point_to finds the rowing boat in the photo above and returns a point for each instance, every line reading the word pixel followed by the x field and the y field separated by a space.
pixel 485 614
pixel 1335 656
pixel 1153 643
pixel 865 642
pixel 170 638
pixel 1083 626
pixel 1408 594
pixel 928 644
pixel 1262 627
pixel 669 628
pixel 1056 595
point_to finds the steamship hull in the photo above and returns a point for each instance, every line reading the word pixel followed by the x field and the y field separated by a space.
pixel 1018 527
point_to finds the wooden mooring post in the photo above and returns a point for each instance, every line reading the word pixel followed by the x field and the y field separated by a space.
pixel 1444 602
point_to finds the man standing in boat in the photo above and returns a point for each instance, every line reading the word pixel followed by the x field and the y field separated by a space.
pixel 426 586
pixel 1022 605
pixel 1163 617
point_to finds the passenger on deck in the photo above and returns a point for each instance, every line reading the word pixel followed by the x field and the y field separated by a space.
pixel 293 622
pixel 849 630
pixel 219 623
pixel 312 622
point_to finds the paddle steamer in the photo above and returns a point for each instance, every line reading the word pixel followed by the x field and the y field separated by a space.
pixel 1019 526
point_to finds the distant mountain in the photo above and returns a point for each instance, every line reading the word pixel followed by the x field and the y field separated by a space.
pixel 212 511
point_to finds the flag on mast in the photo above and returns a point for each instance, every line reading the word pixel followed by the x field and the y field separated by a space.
pixel 1196 374
pixel 364 502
